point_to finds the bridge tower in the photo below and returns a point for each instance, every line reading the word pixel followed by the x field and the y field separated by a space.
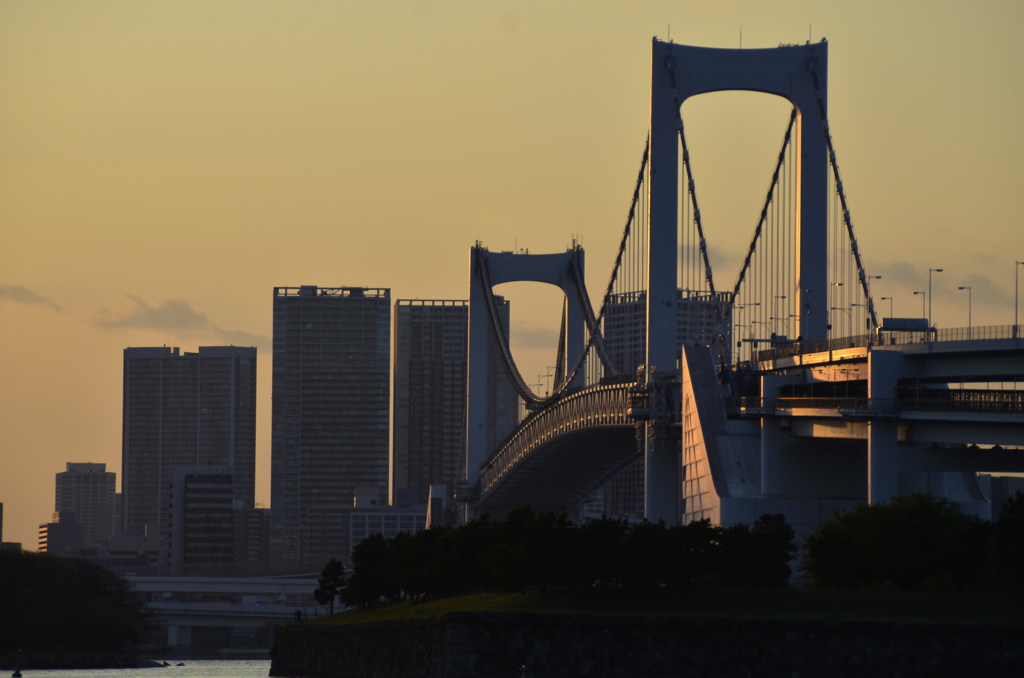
pixel 487 269
pixel 797 73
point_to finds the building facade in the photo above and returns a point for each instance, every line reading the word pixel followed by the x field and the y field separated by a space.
pixel 184 410
pixel 87 491
pixel 429 405
pixel 202 516
pixel 330 425
pixel 429 397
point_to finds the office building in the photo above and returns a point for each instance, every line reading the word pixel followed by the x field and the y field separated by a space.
pixel 202 516
pixel 186 409
pixel 330 415
pixel 429 418
pixel 61 534
pixel 87 491
pixel 252 536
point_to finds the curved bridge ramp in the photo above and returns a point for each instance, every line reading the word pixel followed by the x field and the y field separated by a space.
pixel 561 454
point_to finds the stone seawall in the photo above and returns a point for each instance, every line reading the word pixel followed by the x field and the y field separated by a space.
pixel 496 645
pixel 67 657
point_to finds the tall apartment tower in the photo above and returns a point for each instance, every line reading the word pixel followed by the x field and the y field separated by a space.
pixel 186 409
pixel 428 436
pixel 331 413
pixel 87 491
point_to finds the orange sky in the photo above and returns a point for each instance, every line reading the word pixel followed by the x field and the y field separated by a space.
pixel 164 165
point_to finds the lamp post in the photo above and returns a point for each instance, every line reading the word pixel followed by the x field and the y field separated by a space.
pixel 930 271
pixel 889 299
pixel 925 295
pixel 866 320
pixel 846 311
pixel 969 324
pixel 785 320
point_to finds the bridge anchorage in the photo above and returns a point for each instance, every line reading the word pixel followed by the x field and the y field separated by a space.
pixel 781 393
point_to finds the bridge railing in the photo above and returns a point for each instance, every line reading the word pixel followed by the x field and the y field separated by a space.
pixel 591 407
pixel 991 402
pixel 947 334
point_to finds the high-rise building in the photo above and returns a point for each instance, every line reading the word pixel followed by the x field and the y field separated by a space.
pixel 202 516
pixel 61 534
pixel 625 335
pixel 184 410
pixel 87 491
pixel 331 416
pixel 429 398
pixel 429 425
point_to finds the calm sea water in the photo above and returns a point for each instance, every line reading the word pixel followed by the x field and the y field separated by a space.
pixel 193 668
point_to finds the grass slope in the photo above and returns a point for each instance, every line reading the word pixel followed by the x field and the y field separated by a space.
pixel 984 608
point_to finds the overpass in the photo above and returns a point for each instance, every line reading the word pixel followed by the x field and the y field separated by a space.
pixel 251 605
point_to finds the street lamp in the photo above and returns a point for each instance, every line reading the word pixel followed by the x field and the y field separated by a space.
pixel 925 295
pixel 889 299
pixel 969 295
pixel 785 320
pixel 846 311
pixel 867 322
pixel 930 271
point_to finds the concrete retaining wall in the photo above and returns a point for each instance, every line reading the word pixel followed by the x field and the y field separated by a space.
pixel 496 645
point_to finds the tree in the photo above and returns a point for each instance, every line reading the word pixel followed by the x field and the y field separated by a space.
pixel 1008 541
pixel 372 573
pixel 331 582
pixel 913 542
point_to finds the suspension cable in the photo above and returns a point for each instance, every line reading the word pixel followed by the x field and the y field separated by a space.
pixel 813 66
pixel 764 216
pixel 595 330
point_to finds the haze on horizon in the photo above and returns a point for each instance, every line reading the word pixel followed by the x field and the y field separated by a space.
pixel 164 165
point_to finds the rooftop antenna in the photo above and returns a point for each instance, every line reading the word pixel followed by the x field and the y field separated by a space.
pixel 670 32
pixel 741 37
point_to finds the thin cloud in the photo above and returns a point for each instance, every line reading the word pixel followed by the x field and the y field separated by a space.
pixel 23 295
pixel 177 316
pixel 534 336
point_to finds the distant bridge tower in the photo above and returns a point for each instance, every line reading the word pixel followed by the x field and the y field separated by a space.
pixel 488 269
pixel 677 73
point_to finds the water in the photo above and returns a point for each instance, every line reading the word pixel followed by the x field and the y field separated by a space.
pixel 193 668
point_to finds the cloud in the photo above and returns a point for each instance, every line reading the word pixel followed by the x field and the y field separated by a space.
pixel 24 295
pixel 177 316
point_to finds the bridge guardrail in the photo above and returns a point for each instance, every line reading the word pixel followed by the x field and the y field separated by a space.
pixel 947 334
pixel 595 406
pixel 1008 402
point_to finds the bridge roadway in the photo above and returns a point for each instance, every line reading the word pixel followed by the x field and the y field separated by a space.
pixel 563 453
pixel 559 455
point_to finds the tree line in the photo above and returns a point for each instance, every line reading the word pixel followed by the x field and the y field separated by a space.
pixel 535 550
pixel 914 542
pixel 48 600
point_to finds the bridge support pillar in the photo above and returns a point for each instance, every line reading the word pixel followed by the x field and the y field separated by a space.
pixel 772 440
pixel 179 635
pixel 883 467
pixel 661 482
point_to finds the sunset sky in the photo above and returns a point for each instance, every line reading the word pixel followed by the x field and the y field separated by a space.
pixel 164 165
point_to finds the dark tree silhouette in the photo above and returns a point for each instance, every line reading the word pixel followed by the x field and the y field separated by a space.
pixel 1008 542
pixel 330 583
pixel 912 542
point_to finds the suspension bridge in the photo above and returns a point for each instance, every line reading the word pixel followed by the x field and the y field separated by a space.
pixel 778 391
